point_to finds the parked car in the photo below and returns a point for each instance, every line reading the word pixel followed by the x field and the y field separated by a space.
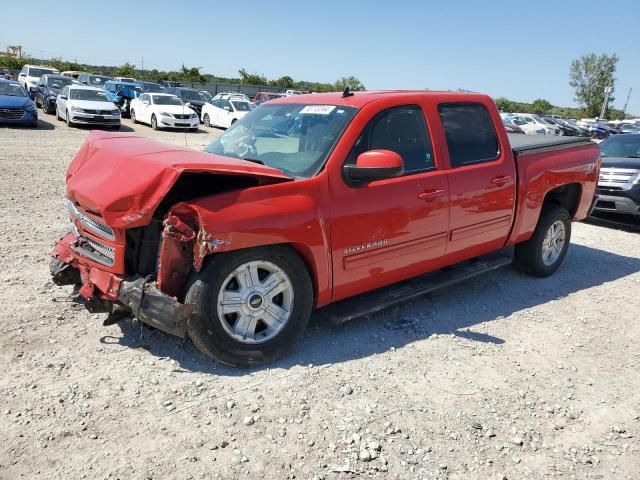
pixel 124 79
pixel 231 246
pixel 207 95
pixel 71 73
pixel 84 105
pixel 511 127
pixel 628 128
pixel 121 94
pixel 230 95
pixel 262 97
pixel 224 113
pixel 595 129
pixel 565 129
pixel 163 110
pixel 583 131
pixel 527 127
pixel 170 84
pixel 619 183
pixel 290 93
pixel 540 123
pixel 30 75
pixel 16 106
pixel 93 80
pixel 150 87
pixel 190 97
pixel 48 89
pixel 5 74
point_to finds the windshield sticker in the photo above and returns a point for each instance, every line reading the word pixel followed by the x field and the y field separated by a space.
pixel 318 109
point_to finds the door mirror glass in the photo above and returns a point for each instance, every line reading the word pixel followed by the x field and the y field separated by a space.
pixel 374 165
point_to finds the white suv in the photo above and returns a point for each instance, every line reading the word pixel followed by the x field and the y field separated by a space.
pixel 30 76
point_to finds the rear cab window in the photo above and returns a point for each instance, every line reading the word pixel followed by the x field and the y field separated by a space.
pixel 470 133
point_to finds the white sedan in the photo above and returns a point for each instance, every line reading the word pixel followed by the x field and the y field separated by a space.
pixel 224 113
pixel 163 110
pixel 81 104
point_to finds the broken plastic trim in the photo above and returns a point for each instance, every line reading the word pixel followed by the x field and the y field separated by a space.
pixel 155 308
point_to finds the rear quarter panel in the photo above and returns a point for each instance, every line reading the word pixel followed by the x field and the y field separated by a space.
pixel 541 172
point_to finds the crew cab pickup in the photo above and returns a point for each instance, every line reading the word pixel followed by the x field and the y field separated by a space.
pixel 314 200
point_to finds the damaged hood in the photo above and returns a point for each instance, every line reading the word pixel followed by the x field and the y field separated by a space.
pixel 124 178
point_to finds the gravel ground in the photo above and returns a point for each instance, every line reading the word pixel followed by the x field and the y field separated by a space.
pixel 504 376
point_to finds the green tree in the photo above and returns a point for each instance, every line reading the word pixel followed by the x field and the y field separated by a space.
pixel 352 82
pixel 126 70
pixel 9 61
pixel 252 78
pixel 590 75
pixel 541 106
pixel 192 74
pixel 505 105
pixel 284 82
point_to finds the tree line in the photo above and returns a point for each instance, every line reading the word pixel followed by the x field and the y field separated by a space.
pixel 589 76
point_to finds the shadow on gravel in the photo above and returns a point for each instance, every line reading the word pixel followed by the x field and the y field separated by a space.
pixel 450 312
pixel 626 223
pixel 42 125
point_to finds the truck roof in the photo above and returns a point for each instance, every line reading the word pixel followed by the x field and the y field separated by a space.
pixel 360 99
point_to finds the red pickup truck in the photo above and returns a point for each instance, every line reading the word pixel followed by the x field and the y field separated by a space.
pixel 315 200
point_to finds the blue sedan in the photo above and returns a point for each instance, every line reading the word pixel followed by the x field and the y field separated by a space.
pixel 16 107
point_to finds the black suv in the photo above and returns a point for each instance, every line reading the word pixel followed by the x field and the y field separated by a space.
pixel 619 183
pixel 47 91
pixel 190 97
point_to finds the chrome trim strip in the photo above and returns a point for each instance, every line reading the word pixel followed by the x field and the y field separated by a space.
pixel 89 223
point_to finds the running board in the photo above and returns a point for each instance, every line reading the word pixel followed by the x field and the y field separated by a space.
pixel 377 300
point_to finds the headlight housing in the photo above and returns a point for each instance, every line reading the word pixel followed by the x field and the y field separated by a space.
pixel 165 114
pixel 115 112
pixel 78 110
pixel 30 108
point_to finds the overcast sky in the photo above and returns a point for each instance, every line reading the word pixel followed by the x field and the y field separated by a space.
pixel 521 50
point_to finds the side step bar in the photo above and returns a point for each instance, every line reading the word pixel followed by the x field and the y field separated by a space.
pixel 377 300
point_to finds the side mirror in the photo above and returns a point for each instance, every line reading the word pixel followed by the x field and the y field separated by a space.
pixel 32 95
pixel 374 165
pixel 63 97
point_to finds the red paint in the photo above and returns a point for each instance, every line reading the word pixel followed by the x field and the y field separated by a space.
pixel 379 159
pixel 353 239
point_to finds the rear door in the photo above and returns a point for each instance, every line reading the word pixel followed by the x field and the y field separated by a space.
pixel 391 229
pixel 482 179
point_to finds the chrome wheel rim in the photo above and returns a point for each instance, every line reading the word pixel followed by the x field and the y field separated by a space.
pixel 553 243
pixel 255 302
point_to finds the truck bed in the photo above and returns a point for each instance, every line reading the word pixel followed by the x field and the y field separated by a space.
pixel 523 144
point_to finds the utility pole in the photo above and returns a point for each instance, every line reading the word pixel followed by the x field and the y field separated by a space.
pixel 626 103
pixel 607 91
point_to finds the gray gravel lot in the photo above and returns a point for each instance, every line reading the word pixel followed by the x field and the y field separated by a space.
pixel 504 376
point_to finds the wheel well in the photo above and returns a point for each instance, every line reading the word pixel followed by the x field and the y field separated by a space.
pixel 567 196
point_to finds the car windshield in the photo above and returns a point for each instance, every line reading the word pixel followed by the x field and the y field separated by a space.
pixel 207 96
pixel 152 87
pixel 58 82
pixel 625 146
pixel 273 96
pixel 241 106
pixel 12 89
pixel 97 80
pixel 519 121
pixel 38 72
pixel 192 95
pixel 166 100
pixel 85 94
pixel 294 138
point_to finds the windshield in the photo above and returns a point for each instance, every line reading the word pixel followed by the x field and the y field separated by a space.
pixel 519 121
pixel 166 100
pixel 625 146
pixel 91 95
pixel 127 79
pixel 207 96
pixel 241 106
pixel 293 138
pixel 12 89
pixel 38 72
pixel 59 82
pixel 97 80
pixel 192 95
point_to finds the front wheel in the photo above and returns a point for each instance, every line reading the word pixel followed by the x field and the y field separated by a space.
pixel 251 305
pixel 69 122
pixel 544 252
pixel 207 120
pixel 132 114
pixel 154 122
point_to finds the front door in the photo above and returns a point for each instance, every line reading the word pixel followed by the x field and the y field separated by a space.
pixel 482 180
pixel 392 229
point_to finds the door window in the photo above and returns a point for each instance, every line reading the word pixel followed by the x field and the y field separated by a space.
pixel 402 130
pixel 471 136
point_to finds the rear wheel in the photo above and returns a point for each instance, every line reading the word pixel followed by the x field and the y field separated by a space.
pixel 251 305
pixel 154 122
pixel 544 252
pixel 207 120
pixel 133 116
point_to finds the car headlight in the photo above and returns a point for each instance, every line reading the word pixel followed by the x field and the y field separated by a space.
pixel 79 110
pixel 30 108
pixel 115 112
pixel 165 114
pixel 193 115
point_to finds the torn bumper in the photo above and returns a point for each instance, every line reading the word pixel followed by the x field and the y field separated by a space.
pixel 102 290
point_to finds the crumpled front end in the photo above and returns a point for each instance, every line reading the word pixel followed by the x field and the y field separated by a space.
pixel 92 257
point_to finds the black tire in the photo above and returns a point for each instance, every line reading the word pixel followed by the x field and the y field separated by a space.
pixel 69 122
pixel 207 120
pixel 205 328
pixel 154 122
pixel 45 107
pixel 58 117
pixel 132 115
pixel 529 254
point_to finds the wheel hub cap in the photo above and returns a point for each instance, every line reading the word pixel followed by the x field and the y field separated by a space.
pixel 553 243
